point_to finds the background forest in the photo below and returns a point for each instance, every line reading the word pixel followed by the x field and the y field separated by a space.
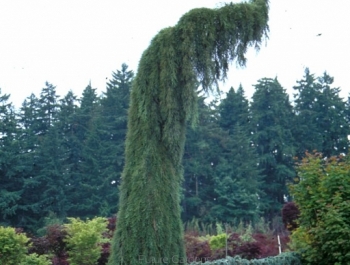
pixel 63 156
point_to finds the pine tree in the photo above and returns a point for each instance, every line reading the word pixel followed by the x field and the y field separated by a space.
pixel 238 180
pixel 195 52
pixel 332 118
pixel 37 118
pixel 114 115
pixel 71 149
pixel 305 128
pixel 49 157
pixel 87 121
pixel 203 148
pixel 272 117
pixel 234 110
pixel 10 171
pixel 48 107
pixel 321 122
pixel 29 122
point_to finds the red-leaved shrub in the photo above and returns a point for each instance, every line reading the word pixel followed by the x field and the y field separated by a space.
pixel 248 250
pixel 196 249
pixel 104 254
pixel 290 214
pixel 51 243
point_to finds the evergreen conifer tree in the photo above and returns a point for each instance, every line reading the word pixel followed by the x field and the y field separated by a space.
pixel 10 177
pixel 49 154
pixel 87 121
pixel 320 116
pixel 195 52
pixel 114 116
pixel 234 111
pixel 238 179
pixel 204 146
pixel 272 119
pixel 30 124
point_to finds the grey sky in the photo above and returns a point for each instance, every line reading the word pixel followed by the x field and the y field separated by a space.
pixel 69 43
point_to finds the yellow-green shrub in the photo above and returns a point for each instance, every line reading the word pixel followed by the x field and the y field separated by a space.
pixel 13 246
pixel 35 259
pixel 84 240
pixel 217 242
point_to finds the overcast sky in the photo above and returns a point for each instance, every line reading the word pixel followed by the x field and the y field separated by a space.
pixel 70 42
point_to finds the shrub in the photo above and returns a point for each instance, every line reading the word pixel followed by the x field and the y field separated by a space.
pixel 217 242
pixel 35 259
pixel 56 235
pixel 13 246
pixel 197 249
pixel 84 241
pixel 322 194
pixel 290 214
pixel 246 236
pixel 39 245
pixel 245 242
pixel 108 234
pixel 62 260
pixel 248 250
pixel 268 244
pixel 105 252
pixel 288 258
pixel 52 243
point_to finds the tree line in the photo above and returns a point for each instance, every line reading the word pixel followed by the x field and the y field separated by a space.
pixel 63 156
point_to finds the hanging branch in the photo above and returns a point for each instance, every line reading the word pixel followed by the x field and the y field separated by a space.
pixel 194 53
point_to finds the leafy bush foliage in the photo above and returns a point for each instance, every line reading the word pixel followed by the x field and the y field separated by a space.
pixel 107 234
pixel 105 252
pixel 55 242
pixel 88 242
pixel 269 244
pixel 39 245
pixel 217 242
pixel 248 250
pixel 247 242
pixel 290 214
pixel 322 193
pixel 35 259
pixel 197 248
pixel 52 242
pixel 13 246
pixel 84 240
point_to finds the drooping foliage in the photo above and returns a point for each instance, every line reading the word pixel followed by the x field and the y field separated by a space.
pixel 196 52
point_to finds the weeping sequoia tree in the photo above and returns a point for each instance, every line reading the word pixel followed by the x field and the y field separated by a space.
pixel 191 56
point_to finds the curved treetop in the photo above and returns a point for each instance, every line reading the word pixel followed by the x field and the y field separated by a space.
pixel 195 52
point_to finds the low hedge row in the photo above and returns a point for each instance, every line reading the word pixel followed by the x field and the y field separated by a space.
pixel 287 258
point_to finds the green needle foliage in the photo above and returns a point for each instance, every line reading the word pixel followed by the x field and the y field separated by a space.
pixel 196 52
